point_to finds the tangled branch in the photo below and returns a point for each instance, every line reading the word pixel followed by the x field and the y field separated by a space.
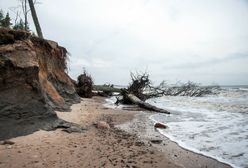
pixel 142 87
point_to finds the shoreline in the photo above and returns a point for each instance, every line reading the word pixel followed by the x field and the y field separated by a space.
pixel 170 148
pixel 95 147
pixel 185 147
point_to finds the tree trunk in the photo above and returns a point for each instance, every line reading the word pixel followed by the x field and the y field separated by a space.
pixel 25 15
pixel 142 104
pixel 35 18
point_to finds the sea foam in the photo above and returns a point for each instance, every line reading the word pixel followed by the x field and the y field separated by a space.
pixel 216 126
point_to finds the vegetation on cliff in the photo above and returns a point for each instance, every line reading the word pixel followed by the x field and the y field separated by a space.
pixel 5 21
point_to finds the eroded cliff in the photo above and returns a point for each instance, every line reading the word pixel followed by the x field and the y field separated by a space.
pixel 33 83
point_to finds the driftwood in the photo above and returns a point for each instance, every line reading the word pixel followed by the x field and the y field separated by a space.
pixel 182 89
pixel 105 90
pixel 135 100
pixel 141 88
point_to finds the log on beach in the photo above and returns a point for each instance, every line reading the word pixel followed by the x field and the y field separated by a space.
pixel 142 104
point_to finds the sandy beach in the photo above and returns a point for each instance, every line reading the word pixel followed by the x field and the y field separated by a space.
pixel 125 144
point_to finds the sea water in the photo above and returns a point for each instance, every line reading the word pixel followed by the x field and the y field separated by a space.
pixel 213 125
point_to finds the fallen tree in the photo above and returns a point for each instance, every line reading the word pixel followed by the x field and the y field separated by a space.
pixel 142 104
pixel 189 88
pixel 141 89
pixel 136 93
pixel 84 85
pixel 105 90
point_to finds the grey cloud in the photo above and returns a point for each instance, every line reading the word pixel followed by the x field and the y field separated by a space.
pixel 210 62
pixel 146 33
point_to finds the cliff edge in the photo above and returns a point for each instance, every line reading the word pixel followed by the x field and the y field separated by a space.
pixel 33 83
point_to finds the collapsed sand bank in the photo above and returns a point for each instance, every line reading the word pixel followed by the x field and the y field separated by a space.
pixel 33 83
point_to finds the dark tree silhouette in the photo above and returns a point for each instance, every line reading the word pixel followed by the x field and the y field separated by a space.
pixel 84 85
pixel 25 12
pixel 35 18
pixel 5 22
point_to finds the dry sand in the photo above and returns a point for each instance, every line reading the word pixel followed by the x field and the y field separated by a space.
pixel 96 147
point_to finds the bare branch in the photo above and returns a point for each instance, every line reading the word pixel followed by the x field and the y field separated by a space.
pixel 16 12
pixel 35 19
pixel 17 17
pixel 37 2
pixel 142 87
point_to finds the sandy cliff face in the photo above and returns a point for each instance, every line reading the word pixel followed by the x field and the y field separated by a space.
pixel 33 82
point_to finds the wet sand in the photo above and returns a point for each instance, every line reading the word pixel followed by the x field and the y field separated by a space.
pixel 100 148
pixel 142 126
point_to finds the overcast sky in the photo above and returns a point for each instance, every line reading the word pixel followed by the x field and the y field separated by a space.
pixel 204 41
